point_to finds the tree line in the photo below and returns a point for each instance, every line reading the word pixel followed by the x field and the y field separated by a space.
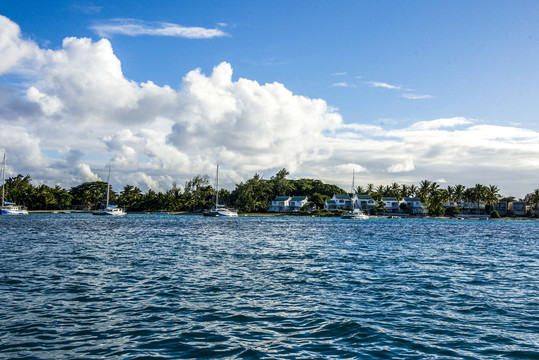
pixel 197 194
pixel 253 195
pixel 435 198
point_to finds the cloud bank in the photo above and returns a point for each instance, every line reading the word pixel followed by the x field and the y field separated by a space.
pixel 75 112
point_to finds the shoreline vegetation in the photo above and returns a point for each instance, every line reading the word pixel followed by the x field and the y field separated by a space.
pixel 291 215
pixel 254 195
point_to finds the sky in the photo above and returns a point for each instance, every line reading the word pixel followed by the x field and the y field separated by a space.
pixel 399 91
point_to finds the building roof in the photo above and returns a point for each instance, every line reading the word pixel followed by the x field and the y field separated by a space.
pixel 364 197
pixel 298 198
pixel 389 199
pixel 409 199
pixel 342 196
pixel 281 198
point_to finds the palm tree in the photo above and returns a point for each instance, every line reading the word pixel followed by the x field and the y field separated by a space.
pixel 492 195
pixel 405 191
pixel 129 196
pixel 480 192
pixel 437 199
pixel 534 199
pixel 370 188
pixel 424 190
pixel 395 189
pixel 412 190
pixel 450 193
pixel 458 193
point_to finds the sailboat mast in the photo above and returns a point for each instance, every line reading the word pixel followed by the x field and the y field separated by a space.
pixel 108 189
pixel 217 188
pixel 353 185
pixel 3 178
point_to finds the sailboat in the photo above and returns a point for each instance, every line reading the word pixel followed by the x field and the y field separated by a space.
pixel 112 210
pixel 219 210
pixel 9 208
pixel 355 214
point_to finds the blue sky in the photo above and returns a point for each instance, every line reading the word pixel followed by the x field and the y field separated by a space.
pixel 398 91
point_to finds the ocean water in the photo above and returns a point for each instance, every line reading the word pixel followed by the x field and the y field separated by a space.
pixel 74 286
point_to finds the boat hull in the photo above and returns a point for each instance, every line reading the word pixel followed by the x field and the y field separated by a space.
pixel 14 212
pixel 355 217
pixel 220 213
pixel 116 212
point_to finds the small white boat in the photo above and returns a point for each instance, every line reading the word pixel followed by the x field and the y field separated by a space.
pixel 219 210
pixel 9 208
pixel 355 214
pixel 12 209
pixel 110 210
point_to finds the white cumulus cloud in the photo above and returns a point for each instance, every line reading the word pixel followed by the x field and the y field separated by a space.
pixel 406 166
pixel 74 113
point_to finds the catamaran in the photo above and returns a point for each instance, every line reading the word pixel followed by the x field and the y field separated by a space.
pixel 10 208
pixel 112 210
pixel 219 210
pixel 355 214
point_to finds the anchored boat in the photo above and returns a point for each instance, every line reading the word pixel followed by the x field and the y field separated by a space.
pixel 355 214
pixel 219 210
pixel 111 210
pixel 9 208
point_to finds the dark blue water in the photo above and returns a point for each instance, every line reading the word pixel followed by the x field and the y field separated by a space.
pixel 73 286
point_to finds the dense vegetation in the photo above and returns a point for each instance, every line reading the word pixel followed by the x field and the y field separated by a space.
pixel 252 195
pixel 434 196
pixel 197 194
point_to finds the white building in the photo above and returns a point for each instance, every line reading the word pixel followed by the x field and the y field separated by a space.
pixel 391 205
pixel 297 202
pixel 339 202
pixel 280 204
pixel 415 206
pixel 365 203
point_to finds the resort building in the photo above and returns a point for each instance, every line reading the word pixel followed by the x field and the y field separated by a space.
pixel 520 208
pixel 474 208
pixel 280 204
pixel 297 202
pixel 365 203
pixel 339 202
pixel 503 207
pixel 414 206
pixel 330 205
pixel 391 205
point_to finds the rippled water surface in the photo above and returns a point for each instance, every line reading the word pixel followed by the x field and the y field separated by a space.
pixel 168 287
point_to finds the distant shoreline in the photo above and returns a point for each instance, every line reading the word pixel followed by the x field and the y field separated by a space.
pixel 465 217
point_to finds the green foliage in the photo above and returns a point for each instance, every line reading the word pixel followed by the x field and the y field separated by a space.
pixel 452 211
pixel 494 214
pixel 318 200
pixel 18 189
pixel 250 196
pixel 325 213
pixel 130 197
pixel 90 194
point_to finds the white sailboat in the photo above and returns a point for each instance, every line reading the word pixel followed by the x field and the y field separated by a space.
pixel 219 210
pixel 111 210
pixel 355 214
pixel 9 208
